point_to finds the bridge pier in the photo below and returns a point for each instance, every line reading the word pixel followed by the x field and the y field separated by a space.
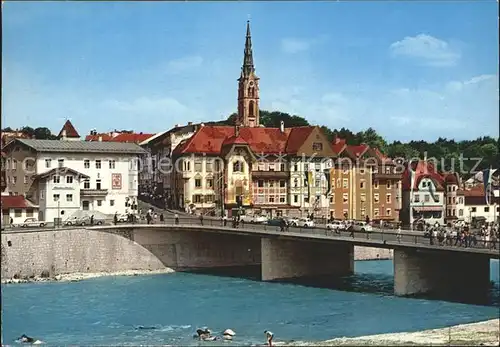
pixel 286 259
pixel 450 274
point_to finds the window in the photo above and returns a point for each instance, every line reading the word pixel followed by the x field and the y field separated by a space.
pixel 197 183
pixel 460 213
pixel 29 212
pixel 363 197
pixel 375 169
pixel 69 197
pixel 345 183
pixel 14 180
pixel 282 167
pixel 345 198
pixel 295 198
pixel 86 164
pixel 317 146
pixel 437 198
pixel 197 199
pixel 295 182
pixel 460 200
pixel 416 198
pixel 97 164
pixel 197 166
pixel 111 203
pixel 42 195
pixel 99 202
pixel 271 167
pixel 306 199
pixel 295 167
pixel 331 199
pixel 362 185
pixel 375 184
pixel 112 164
pixel 388 212
pixel 210 183
pixel 86 184
pixel 376 197
pixel 346 213
pixel 209 198
pixel 389 184
pixel 427 198
pixel 345 171
pixel 56 197
pixel 388 198
pixel 14 164
pixel 454 200
pixel 363 212
pixel 271 198
pixel 57 179
pixel 18 212
pixel 271 184
pixel 209 166
pixel 260 183
pixel 306 167
pixel 473 209
pixel 361 171
pixel 282 184
pixel 48 163
pixel 69 179
pixel 376 212
pixel 282 199
pixel 238 166
pixel 25 179
pixel 98 184
pixel 487 209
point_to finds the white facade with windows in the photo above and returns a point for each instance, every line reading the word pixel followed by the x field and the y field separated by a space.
pixel 428 204
pixel 107 183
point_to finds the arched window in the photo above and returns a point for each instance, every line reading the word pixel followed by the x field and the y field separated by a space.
pixel 238 166
pixel 251 92
pixel 251 109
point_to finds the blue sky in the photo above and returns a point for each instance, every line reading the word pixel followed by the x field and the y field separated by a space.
pixel 411 70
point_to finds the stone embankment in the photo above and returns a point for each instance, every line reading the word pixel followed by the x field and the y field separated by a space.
pixel 485 333
pixel 371 253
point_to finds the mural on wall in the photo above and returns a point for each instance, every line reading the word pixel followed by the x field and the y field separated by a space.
pixel 116 181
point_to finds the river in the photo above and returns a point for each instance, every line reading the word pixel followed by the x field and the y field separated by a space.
pixel 107 310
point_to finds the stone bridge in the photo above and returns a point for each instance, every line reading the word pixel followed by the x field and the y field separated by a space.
pixel 418 268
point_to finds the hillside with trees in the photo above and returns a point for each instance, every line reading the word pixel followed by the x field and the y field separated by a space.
pixel 445 150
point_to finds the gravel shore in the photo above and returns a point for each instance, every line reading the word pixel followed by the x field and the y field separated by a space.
pixel 75 277
pixel 485 333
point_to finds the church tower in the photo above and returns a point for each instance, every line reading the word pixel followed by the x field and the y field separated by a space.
pixel 248 88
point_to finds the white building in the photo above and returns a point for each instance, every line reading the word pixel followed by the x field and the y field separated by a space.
pixel 472 205
pixel 17 209
pixel 67 176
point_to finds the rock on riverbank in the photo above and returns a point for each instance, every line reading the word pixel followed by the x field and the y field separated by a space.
pixel 485 333
pixel 74 277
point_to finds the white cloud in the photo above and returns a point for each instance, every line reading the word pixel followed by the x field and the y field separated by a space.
pixel 183 64
pixel 429 50
pixel 295 45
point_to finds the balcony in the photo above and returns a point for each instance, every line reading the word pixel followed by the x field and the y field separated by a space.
pixel 271 174
pixel 93 192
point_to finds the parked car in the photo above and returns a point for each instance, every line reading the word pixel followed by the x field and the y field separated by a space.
pixel 275 222
pixel 32 222
pixel 71 221
pixel 253 218
pixel 360 227
pixel 305 223
pixel 85 220
pixel 293 222
pixel 335 225
pixel 122 218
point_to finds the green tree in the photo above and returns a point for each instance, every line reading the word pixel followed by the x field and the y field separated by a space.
pixel 43 133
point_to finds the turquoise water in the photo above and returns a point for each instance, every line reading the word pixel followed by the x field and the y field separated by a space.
pixel 108 310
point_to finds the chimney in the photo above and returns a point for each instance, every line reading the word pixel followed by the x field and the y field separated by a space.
pixel 63 133
pixel 202 125
pixel 282 126
pixel 190 123
pixel 100 138
pixel 236 131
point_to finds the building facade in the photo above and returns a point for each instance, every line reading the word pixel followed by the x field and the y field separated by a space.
pixel 69 175
pixel 17 209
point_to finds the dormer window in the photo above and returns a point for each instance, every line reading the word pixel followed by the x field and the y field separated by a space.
pixel 238 166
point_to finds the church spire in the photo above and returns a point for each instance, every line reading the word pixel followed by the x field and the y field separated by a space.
pixel 248 66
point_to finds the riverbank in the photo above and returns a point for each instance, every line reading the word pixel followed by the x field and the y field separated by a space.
pixel 486 333
pixel 75 277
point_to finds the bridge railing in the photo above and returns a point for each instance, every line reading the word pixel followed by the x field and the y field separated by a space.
pixel 388 235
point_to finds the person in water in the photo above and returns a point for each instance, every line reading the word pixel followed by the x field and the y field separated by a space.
pixel 269 336
pixel 26 339
pixel 205 335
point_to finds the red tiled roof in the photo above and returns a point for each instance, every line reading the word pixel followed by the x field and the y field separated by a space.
pixel 70 130
pixel 104 137
pixel 474 191
pixel 134 138
pixel 338 145
pixel 358 150
pixel 233 140
pixel 209 139
pixel 451 178
pixel 15 201
pixel 422 170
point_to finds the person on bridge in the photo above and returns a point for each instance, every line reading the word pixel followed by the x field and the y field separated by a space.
pixel 115 218
pixel 176 217
pixel 201 218
pixel 92 220
pixel 148 218
pixel 162 219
